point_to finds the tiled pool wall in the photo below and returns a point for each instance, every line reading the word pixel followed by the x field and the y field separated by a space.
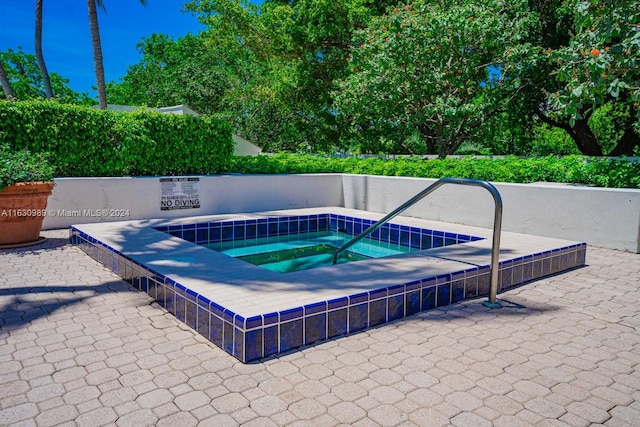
pixel 270 333
pixel 226 231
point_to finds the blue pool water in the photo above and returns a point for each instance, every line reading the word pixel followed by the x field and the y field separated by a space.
pixel 297 252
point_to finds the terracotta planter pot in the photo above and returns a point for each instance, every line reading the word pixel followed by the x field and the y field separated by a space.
pixel 22 210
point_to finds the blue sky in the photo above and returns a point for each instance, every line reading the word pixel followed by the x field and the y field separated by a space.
pixel 67 41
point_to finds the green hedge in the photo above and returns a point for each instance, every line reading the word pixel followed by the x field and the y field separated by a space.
pixel 88 142
pixel 600 172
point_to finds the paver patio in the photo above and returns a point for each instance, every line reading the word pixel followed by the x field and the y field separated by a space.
pixel 79 346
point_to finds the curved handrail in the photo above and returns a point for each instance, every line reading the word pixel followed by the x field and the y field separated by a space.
pixel 497 226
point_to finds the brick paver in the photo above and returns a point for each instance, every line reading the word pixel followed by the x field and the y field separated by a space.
pixel 78 346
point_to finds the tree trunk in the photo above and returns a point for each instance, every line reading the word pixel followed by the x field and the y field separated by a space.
pixel 629 140
pixel 4 81
pixel 581 134
pixel 97 53
pixel 39 55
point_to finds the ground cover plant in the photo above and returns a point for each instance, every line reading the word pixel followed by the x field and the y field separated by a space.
pixel 594 171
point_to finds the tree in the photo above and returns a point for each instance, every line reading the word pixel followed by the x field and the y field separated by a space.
pixel 557 74
pixel 601 65
pixel 425 67
pixel 296 52
pixel 98 62
pixel 39 54
pixel 4 82
pixel 26 80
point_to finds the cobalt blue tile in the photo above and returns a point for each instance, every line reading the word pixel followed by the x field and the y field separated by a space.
pixel 170 299
pixel 412 286
pixel 384 233
pixel 203 322
pixel 337 323
pixel 252 345
pixel 358 317
pixel 404 238
pixel 457 291
pixel 161 295
pixel 484 283
pixel 313 225
pixel 396 289
pixel 291 334
pixel 270 340
pixel 202 235
pixel 190 295
pixel 471 286
pixel 338 302
pixel 357 228
pixel 425 241
pixel 253 322
pixel 394 236
pixel 377 312
pixel 377 294
pixel 226 233
pixel 189 235
pixel 315 328
pixel 517 274
pixel 375 235
pixel 215 235
pixel 428 297
pixel 216 309
pixel 283 228
pixel 238 344
pixel 190 314
pixel 227 337
pixel 415 240
pixel 443 295
pixel 290 314
pixel 358 298
pixel 270 318
pixel 188 226
pixel 228 315
pixel 263 230
pixel 505 278
pixel 395 307
pixel 215 330
pixel 239 321
pixel 349 227
pixel 316 307
pixel 144 284
pixel 238 230
pixel 272 229
pixel 251 231
pixel 293 227
pixel 412 302
pixel 180 308
pixel 303 225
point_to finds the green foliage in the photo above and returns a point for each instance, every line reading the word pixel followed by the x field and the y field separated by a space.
pixel 23 166
pixel 27 82
pixel 602 61
pixel 601 172
pixel 550 140
pixel 89 142
pixel 425 67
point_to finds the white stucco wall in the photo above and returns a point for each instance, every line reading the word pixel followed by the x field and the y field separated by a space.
pixel 140 196
pixel 601 217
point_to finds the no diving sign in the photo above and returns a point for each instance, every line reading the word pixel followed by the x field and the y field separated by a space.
pixel 179 193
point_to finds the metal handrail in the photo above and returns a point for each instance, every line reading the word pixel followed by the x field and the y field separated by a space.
pixel 497 226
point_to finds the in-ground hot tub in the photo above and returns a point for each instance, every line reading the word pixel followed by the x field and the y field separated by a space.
pixel 252 312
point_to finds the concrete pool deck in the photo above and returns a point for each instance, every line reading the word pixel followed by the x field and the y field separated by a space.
pixel 79 346
pixel 252 312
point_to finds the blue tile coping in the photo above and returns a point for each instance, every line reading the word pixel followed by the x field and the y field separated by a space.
pixel 257 336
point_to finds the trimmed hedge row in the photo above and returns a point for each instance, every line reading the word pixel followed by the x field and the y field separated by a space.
pixel 600 172
pixel 88 142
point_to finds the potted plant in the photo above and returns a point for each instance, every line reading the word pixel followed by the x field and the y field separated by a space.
pixel 26 181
